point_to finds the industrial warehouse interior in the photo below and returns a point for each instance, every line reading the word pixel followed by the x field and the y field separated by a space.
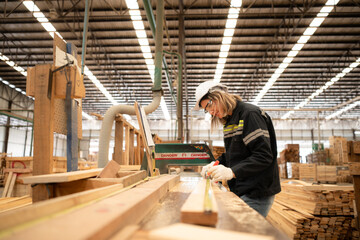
pixel 107 119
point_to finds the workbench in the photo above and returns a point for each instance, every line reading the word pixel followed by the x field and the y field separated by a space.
pixel 137 210
pixel 234 213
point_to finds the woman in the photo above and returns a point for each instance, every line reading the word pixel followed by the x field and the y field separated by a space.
pixel 249 164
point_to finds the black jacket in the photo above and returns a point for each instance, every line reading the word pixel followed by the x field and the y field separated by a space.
pixel 251 152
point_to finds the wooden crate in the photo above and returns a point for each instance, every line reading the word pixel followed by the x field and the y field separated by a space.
pixel 307 172
pixel 326 174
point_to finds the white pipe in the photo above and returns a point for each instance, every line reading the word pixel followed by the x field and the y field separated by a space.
pixel 107 123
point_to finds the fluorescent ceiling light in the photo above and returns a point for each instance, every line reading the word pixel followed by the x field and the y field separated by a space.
pixel 132 4
pixel 317 22
pixel 230 25
pixel 310 30
pixel 303 39
pixel 223 54
pixel 341 111
pixel 321 90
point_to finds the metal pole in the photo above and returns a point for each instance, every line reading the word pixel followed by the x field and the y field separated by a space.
pixel 159 44
pixel 181 49
pixel 179 97
pixel 318 123
pixel 151 20
pixel 85 30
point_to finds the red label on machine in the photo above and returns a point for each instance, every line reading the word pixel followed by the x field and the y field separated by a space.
pixel 179 156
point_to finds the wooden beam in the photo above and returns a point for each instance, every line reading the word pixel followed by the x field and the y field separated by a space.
pixel 67 188
pixel 43 128
pixel 45 208
pixel 61 177
pixel 13 203
pixel 181 231
pixel 103 218
pixel 110 170
pixel 126 180
pixel 119 139
pixel 127 145
pixel 193 209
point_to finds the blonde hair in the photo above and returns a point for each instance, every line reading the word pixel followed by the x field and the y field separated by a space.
pixel 226 101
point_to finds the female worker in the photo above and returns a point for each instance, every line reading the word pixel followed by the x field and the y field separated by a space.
pixel 249 163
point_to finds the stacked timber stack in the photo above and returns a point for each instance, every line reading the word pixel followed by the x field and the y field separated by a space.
pixel 318 157
pixel 289 161
pixel 338 151
pixel 217 151
pixel 303 211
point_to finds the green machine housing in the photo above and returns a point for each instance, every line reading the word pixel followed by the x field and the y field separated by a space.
pixel 167 154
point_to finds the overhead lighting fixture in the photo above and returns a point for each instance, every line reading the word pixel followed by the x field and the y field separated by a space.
pixel 230 25
pixel 341 111
pixel 316 22
pixel 324 87
pixel 144 45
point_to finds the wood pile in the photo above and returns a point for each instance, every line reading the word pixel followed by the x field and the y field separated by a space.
pixel 290 153
pixel 289 170
pixel 305 211
pixel 319 157
pixel 217 151
pixel 338 151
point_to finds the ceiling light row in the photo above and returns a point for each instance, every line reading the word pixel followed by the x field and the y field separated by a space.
pixel 230 26
pixel 324 87
pixel 31 6
pixel 341 111
pixel 317 21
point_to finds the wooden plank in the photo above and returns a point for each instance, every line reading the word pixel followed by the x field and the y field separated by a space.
pixel 357 199
pixel 354 168
pixel 126 233
pixel 66 188
pixel 144 131
pixel 130 167
pixel 181 231
pixel 7 184
pixel 15 203
pixel 126 180
pixel 12 184
pixel 193 209
pixel 103 218
pixel 138 149
pixel 52 206
pixel 127 145
pixel 110 170
pixel 43 128
pixel 61 177
pixel 119 139
pixel 18 170
pixel 131 147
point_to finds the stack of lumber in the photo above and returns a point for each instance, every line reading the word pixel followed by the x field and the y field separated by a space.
pixel 333 174
pixel 338 151
pixel 290 153
pixel 217 151
pixel 289 170
pixel 305 211
pixel 289 161
pixel 319 157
